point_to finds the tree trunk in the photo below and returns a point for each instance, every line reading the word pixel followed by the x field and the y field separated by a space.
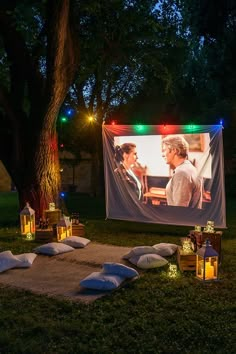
pixel 36 174
pixel 29 148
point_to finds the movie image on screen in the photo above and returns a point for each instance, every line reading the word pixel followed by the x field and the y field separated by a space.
pixel 164 174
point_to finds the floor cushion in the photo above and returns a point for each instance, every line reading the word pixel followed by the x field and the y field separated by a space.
pixel 8 261
pixel 76 241
pixel 26 259
pixel 165 249
pixel 102 281
pixel 53 248
pixel 120 269
pixel 148 261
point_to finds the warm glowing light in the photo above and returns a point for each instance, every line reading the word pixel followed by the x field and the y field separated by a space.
pixel 91 119
pixel 197 228
pixel 207 262
pixel 64 228
pixel 29 236
pixel 172 272
pixel 186 245
pixel 27 222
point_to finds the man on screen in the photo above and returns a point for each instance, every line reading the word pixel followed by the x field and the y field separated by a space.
pixel 185 186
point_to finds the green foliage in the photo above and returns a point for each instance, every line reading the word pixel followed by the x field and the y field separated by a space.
pixel 154 314
pixel 209 77
pixel 9 209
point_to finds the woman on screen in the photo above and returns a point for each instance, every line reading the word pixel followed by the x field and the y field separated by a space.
pixel 126 158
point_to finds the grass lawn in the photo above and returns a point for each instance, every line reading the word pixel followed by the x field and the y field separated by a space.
pixel 154 314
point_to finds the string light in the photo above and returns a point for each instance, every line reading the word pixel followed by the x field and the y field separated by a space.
pixel 91 119
pixel 222 122
pixel 141 128
pixel 69 111
pixel 64 119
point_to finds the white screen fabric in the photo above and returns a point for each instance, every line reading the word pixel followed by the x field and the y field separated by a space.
pixel 141 191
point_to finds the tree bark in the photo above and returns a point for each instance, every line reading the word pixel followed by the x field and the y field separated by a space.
pixel 29 148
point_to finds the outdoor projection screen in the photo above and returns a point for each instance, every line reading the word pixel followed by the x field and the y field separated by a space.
pixel 153 172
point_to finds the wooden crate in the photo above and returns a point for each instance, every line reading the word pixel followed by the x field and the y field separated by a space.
pixel 186 260
pixel 213 237
pixel 215 240
pixel 78 230
pixel 53 216
pixel 45 235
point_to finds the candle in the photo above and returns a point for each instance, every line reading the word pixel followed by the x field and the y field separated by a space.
pixel 27 228
pixel 209 271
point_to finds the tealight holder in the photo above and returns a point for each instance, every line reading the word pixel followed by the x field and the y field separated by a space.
pixel 209 227
pixel 197 228
pixel 186 244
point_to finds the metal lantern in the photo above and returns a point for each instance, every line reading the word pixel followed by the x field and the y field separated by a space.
pixel 64 228
pixel 207 262
pixel 27 223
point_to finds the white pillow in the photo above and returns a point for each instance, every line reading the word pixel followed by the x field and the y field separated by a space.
pixel 53 248
pixel 26 259
pixel 165 249
pixel 76 241
pixel 148 261
pixel 102 281
pixel 8 261
pixel 119 269
pixel 139 250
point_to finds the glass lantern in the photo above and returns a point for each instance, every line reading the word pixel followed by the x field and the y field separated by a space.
pixel 172 272
pixel 207 262
pixel 27 223
pixel 197 228
pixel 52 206
pixel 64 228
pixel 210 227
pixel 186 245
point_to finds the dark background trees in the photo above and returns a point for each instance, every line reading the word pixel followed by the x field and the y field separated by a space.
pixel 39 52
pixel 123 45
pixel 144 61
